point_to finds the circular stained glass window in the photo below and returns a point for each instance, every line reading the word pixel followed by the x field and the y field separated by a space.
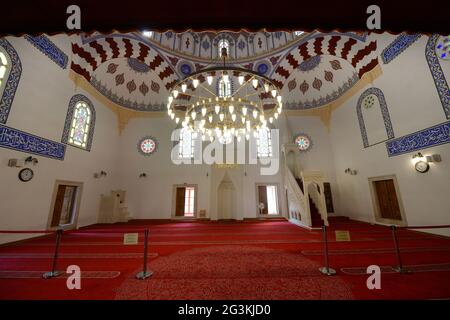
pixel 147 146
pixel 303 142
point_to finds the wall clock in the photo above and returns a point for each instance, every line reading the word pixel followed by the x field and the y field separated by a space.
pixel 26 174
pixel 147 145
pixel 422 166
pixel 303 142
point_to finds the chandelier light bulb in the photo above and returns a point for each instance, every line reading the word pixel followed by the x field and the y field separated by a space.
pixel 217 109
pixel 172 116
pixel 170 99
pixel 276 115
pixel 175 93
pixel 195 83
pixel 231 108
pixel 210 118
pixel 233 117
pixel 266 87
pixel 279 110
pixel 255 113
pixel 177 120
pixel 255 83
pixel 211 138
pixel 274 93
pixel 225 77
pixel 209 79
pixel 183 87
pixel 244 111
pixel 203 137
pixel 241 80
pixel 243 120
pixel 239 138
pixel 279 99
pixel 203 111
pixel 271 119
pixel 261 118
pixel 193 115
pixel 221 116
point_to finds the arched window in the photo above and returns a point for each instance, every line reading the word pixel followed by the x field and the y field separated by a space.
pixel 264 143
pixel 80 122
pixel 223 43
pixel 373 117
pixel 225 87
pixel 186 146
pixel 10 72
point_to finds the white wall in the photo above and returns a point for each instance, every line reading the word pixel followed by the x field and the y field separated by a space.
pixel 413 105
pixel 40 108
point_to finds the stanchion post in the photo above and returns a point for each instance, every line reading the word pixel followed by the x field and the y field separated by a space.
pixel 399 267
pixel 326 270
pixel 144 274
pixel 54 273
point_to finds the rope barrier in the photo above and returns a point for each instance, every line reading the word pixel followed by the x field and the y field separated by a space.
pixel 53 273
pixel 144 274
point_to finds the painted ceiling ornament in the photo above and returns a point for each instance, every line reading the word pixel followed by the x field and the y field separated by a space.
pixel 310 64
pixel 335 64
pixel 131 86
pixel 112 67
pixel 205 44
pixel 328 76
pixel 304 87
pixel 292 84
pixel 147 145
pixel 317 84
pixel 120 79
pixel 262 67
pixel 303 142
pixel 274 60
pixel 443 48
pixel 241 45
pixel 138 66
pixel 369 101
pixel 143 88
pixel 173 60
pixel 155 87
pixel 185 68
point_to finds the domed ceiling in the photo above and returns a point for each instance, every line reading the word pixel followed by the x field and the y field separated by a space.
pixel 136 71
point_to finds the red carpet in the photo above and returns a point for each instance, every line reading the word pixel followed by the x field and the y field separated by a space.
pixel 246 260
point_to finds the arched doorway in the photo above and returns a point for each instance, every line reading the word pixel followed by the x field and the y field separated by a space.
pixel 226 199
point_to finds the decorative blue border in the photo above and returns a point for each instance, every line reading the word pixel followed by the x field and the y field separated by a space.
pixel 12 82
pixel 70 110
pixel 25 142
pixel 47 47
pixel 384 111
pixel 400 44
pixel 145 138
pixel 426 138
pixel 437 73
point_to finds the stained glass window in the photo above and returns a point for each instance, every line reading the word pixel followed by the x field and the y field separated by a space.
pixel 264 143
pixel 303 142
pixel 223 44
pixel 5 66
pixel 147 145
pixel 224 87
pixel 186 149
pixel 79 129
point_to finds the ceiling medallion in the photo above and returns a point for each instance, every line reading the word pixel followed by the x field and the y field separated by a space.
pixel 207 104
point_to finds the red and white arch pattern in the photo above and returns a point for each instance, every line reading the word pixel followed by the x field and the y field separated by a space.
pixel 89 56
pixel 361 55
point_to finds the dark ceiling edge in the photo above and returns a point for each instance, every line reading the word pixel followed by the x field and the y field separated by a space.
pixel 213 30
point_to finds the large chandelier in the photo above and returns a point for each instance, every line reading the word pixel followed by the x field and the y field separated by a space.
pixel 224 102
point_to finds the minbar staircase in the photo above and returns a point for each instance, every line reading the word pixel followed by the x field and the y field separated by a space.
pixel 316 218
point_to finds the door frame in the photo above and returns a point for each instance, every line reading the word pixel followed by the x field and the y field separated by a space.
pixel 174 200
pixel 277 185
pixel 76 208
pixel 376 208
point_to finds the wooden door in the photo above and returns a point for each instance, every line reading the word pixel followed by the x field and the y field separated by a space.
pixel 262 198
pixel 180 201
pixel 59 202
pixel 387 199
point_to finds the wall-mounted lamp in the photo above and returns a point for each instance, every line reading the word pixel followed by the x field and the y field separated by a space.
pixel 100 174
pixel 351 172
pixel 143 175
pixel 31 159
